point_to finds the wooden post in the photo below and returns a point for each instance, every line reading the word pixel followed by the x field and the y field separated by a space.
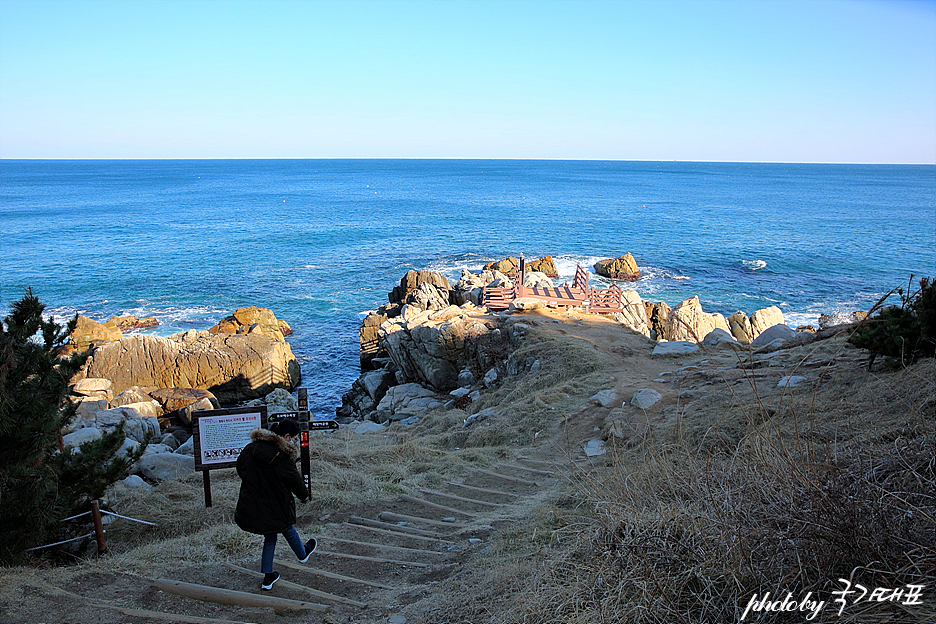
pixel 98 527
pixel 206 481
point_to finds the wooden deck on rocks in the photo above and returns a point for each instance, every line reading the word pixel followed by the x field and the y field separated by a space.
pixel 576 295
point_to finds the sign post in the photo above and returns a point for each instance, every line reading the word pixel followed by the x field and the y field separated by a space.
pixel 219 437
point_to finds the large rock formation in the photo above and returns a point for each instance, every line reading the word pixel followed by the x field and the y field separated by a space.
pixel 233 367
pixel 428 347
pixel 412 280
pixel 253 320
pixel 511 265
pixel 634 314
pixel 621 268
pixel 688 321
pixel 88 331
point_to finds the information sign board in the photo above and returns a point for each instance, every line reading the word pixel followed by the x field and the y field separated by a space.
pixel 220 435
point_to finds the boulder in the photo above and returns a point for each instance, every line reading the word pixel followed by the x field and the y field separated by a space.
pixel 413 279
pixel 605 398
pixel 777 332
pixel 536 279
pixel 765 318
pixel 92 387
pixel 526 304
pixel 544 265
pixel 739 325
pixel 468 288
pixel 253 320
pixel 656 318
pixel 674 349
pixel 718 338
pixel 645 398
pixel 148 409
pixel 165 466
pixel 405 400
pixel 133 394
pixel 88 332
pixel 688 321
pixel 234 367
pixel 76 438
pixel 623 267
pixel 175 399
pixel 508 265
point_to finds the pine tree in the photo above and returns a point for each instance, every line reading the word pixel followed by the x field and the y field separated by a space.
pixel 39 485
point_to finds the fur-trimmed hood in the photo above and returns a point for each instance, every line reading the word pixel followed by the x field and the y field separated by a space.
pixel 265 435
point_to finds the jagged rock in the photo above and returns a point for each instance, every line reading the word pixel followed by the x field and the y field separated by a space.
pixel 594 448
pixel 508 265
pixel 623 267
pixel 130 323
pixel 253 320
pixel 367 337
pixel 277 402
pixel 656 318
pixel 469 288
pixel 429 347
pixel 484 414
pixel 634 315
pixel 413 279
pixel 764 319
pixel 645 398
pixel 234 367
pixel 88 332
pixel 739 326
pixel 687 321
pixel 490 378
pixel 544 265
pixel 427 296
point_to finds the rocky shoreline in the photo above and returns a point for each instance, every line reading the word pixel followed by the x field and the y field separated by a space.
pixel 432 345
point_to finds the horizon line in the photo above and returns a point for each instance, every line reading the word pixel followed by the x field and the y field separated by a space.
pixel 426 158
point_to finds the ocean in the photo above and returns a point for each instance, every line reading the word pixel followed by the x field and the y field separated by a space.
pixel 321 242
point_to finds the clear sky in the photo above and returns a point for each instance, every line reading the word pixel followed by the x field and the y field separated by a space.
pixel 705 80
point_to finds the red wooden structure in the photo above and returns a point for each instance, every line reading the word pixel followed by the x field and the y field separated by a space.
pixel 578 295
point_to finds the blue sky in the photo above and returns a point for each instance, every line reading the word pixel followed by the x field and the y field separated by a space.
pixel 705 80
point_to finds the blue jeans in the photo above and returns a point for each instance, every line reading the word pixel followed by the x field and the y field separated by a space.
pixel 269 546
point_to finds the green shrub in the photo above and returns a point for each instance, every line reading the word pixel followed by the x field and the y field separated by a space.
pixel 906 332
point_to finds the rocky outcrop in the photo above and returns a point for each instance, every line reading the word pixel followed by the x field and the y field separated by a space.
pixel 131 323
pixel 428 347
pixel 253 320
pixel 688 321
pixel 656 318
pixel 634 314
pixel 544 265
pixel 621 268
pixel 511 265
pixel 765 318
pixel 88 331
pixel 233 367
pixel 412 280
pixel 740 328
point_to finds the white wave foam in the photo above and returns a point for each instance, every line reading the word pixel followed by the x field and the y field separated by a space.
pixel 754 264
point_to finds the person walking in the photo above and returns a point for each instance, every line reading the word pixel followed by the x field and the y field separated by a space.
pixel 265 505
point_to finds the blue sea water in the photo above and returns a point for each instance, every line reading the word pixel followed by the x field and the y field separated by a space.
pixel 321 241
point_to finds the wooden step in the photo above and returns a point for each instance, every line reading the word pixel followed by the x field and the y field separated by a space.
pixel 395 517
pixel 475 488
pixel 376 529
pixel 491 473
pixel 284 583
pixel 331 575
pixel 420 501
pixel 384 546
pixel 397 528
pixel 462 499
pixel 231 597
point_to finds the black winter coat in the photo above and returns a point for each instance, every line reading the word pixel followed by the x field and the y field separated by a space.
pixel 269 478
